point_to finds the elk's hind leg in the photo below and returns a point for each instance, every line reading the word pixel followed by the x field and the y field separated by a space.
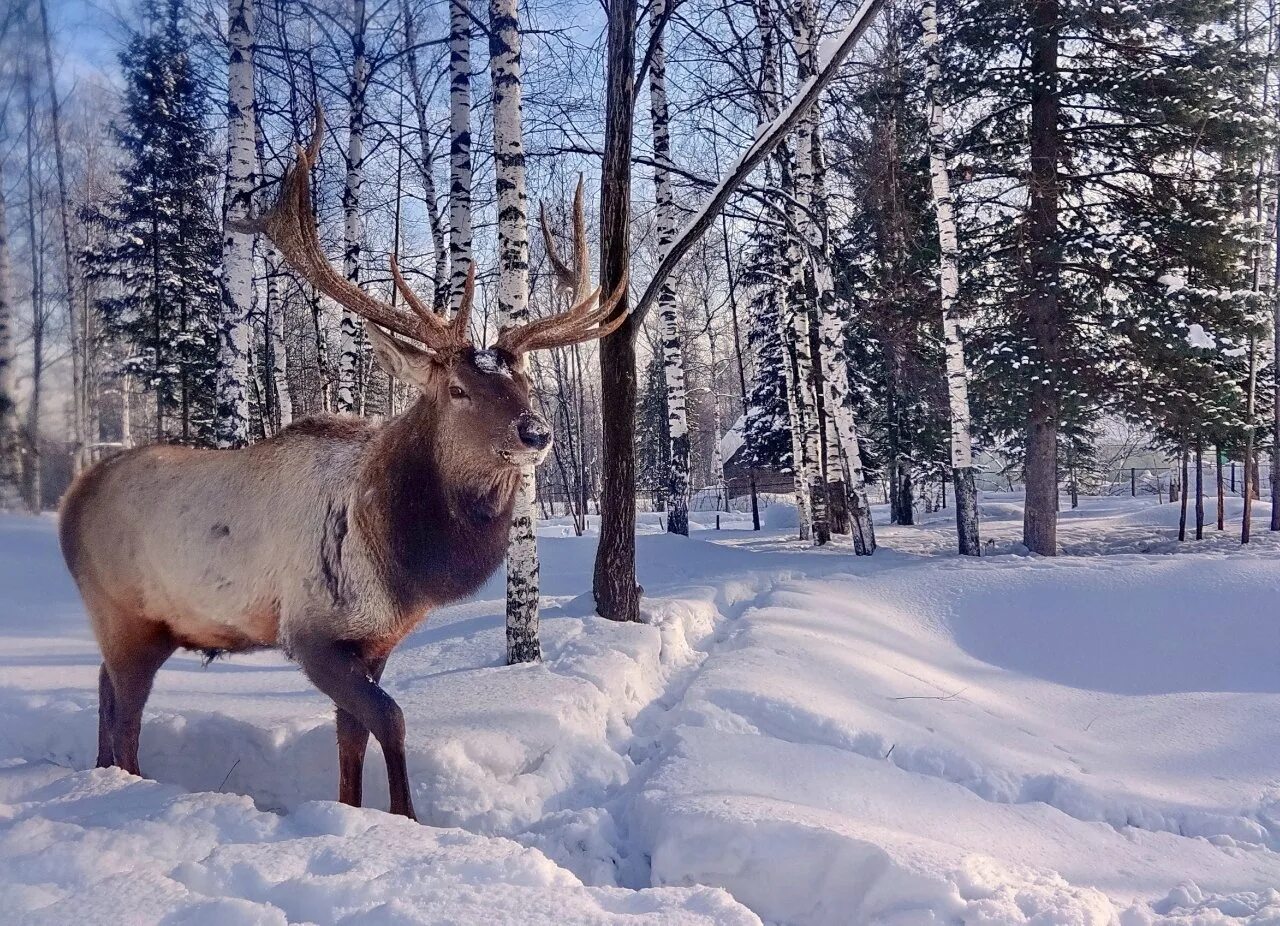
pixel 106 718
pixel 338 669
pixel 131 666
pixel 353 740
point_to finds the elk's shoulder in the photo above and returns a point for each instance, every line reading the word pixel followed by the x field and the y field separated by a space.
pixel 338 428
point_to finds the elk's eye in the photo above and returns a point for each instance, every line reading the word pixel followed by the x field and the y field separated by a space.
pixel 457 392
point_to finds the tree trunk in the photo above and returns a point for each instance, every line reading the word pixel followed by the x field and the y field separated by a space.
pixel 1040 516
pixel 276 334
pixel 70 268
pixel 513 309
pixel 742 374
pixel 31 487
pixel 1182 516
pixel 10 434
pixel 804 286
pixel 668 307
pixel 616 592
pixel 459 149
pixel 962 473
pixel 1199 490
pixel 235 336
pixel 1248 488
pixel 353 233
pixel 427 167
pixel 1222 495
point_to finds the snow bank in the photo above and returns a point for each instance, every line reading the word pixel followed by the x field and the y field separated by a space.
pixel 105 847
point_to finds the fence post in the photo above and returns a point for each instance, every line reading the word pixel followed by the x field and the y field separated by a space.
pixel 1133 481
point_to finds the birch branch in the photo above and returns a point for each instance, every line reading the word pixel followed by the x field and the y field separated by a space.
pixel 833 55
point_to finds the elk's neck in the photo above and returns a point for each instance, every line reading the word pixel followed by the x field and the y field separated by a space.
pixel 438 534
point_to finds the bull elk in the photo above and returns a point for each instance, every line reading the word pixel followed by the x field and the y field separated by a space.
pixel 335 538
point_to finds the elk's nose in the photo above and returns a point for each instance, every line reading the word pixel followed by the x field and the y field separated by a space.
pixel 533 432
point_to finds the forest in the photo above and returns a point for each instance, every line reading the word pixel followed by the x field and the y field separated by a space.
pixel 999 233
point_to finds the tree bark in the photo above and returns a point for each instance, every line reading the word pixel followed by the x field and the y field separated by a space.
pixel 31 482
pixel 10 435
pixel 427 166
pixel 1199 490
pixel 513 309
pixel 459 149
pixel 1040 515
pixel 353 232
pixel 235 336
pixel 279 371
pixel 962 472
pixel 1222 495
pixel 75 321
pixel 668 307
pixel 616 593
pixel 1182 516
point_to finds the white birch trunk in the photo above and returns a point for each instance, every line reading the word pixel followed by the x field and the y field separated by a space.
pixel 440 286
pixel 513 309
pixel 767 108
pixel 353 232
pixel 75 320
pixel 459 149
pixel 234 332
pixel 10 462
pixel 668 308
pixel 275 331
pixel 804 315
pixel 962 473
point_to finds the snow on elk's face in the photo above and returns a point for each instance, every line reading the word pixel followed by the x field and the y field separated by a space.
pixel 485 410
pixel 479 402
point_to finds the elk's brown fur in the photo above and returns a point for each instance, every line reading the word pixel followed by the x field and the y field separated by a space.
pixel 331 540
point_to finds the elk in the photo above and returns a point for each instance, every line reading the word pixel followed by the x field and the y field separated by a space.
pixel 335 538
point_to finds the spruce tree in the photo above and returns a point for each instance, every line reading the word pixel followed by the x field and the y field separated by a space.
pixel 1091 131
pixel 162 240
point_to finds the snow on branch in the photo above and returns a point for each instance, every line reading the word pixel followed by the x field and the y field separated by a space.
pixel 830 57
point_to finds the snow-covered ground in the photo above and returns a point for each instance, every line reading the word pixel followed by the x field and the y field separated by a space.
pixel 795 735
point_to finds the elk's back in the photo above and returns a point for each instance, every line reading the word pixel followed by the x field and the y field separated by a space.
pixel 214 545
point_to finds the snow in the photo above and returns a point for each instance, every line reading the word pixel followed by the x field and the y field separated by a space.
pixel 1198 337
pixel 794 735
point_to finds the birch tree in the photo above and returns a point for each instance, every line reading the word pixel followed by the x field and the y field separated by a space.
pixel 962 472
pixel 513 309
pixel 10 461
pixel 353 229
pixel 235 336
pixel 70 269
pixel 804 289
pixel 459 149
pixel 440 283
pixel 668 306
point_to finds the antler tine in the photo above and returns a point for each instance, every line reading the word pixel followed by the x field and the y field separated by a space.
pixel 571 327
pixel 581 256
pixel 565 278
pixel 420 308
pixel 290 225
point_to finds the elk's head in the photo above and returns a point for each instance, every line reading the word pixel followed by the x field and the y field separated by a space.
pixel 480 397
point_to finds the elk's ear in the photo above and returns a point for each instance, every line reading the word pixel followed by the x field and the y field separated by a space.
pixel 400 360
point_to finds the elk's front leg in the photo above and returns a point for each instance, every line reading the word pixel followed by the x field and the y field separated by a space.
pixel 353 739
pixel 337 669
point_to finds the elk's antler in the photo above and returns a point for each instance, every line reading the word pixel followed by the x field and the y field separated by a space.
pixel 291 226
pixel 589 318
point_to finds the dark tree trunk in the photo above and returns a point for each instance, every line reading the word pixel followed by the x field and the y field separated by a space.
pixel 616 592
pixel 1222 495
pixel 1199 490
pixel 1040 519
pixel 1182 516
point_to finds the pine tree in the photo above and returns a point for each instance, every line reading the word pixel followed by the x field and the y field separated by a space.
pixel 162 236
pixel 1125 105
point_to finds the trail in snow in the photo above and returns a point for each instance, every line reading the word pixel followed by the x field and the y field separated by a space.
pixel 830 740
